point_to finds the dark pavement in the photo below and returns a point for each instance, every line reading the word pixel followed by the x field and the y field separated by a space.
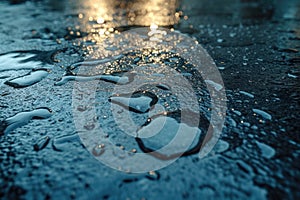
pixel 255 45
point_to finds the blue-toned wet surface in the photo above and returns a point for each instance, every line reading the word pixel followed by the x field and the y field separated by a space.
pixel 255 45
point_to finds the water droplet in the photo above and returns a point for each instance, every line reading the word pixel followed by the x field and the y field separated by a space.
pixel 263 114
pixel 113 78
pixel 247 94
pixel 232 34
pixel 221 146
pixel 64 142
pixel 28 79
pixel 215 85
pixel 266 150
pixel 153 175
pixel 139 101
pixel 133 151
pixel 41 143
pixel 118 80
pixel 136 60
pixel 231 122
pixel 161 129
pixel 98 150
pixel 254 127
pixel 247 124
pixel 237 112
pixel 24 118
pixel 292 76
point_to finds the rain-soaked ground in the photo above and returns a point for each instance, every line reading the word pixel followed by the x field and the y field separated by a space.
pixel 46 47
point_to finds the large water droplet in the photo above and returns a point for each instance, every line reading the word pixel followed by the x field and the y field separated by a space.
pixel 24 118
pixel 112 78
pixel 139 101
pixel 28 79
pixel 167 136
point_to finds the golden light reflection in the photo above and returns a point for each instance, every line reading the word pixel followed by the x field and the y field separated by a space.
pixel 153 26
pixel 100 20
pixel 104 19
pixel 112 14
pixel 155 34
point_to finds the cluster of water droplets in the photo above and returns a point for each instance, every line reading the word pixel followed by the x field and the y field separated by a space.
pixel 14 67
pixel 140 97
pixel 22 69
pixel 148 100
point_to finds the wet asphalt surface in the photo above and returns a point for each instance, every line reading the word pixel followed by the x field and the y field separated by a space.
pixel 255 45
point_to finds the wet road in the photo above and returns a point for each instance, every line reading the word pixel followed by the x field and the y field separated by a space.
pixel 255 45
